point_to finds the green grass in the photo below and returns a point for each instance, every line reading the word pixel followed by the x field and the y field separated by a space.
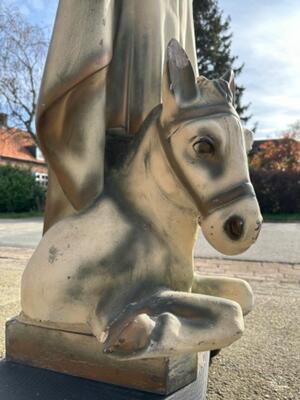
pixel 281 217
pixel 29 214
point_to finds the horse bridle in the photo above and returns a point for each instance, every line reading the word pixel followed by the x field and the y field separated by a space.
pixel 221 199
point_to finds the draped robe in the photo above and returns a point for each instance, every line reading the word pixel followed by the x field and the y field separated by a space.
pixel 103 74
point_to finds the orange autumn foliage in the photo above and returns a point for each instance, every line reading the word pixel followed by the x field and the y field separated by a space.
pixel 280 155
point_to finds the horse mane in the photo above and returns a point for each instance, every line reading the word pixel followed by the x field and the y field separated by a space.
pixel 126 146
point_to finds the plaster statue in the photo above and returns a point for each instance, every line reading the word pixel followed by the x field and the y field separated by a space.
pixel 102 77
pixel 122 268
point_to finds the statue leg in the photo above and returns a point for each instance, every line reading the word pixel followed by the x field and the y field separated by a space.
pixel 228 288
pixel 171 323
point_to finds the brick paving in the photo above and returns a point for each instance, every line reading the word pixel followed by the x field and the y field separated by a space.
pixel 251 270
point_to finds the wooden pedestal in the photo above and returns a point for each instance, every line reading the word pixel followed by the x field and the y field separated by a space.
pixel 81 355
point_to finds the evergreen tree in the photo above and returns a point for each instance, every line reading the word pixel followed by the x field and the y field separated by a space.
pixel 213 44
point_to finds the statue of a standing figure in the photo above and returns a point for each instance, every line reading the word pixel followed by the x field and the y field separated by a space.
pixel 112 280
pixel 102 76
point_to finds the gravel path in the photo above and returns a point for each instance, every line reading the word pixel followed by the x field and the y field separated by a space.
pixel 264 364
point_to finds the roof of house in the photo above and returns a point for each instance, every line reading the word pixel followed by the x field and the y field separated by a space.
pixel 258 142
pixel 16 144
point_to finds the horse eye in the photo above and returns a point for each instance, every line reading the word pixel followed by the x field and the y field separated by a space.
pixel 204 146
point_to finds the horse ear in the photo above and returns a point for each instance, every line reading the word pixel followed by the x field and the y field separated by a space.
pixel 229 78
pixel 248 139
pixel 179 82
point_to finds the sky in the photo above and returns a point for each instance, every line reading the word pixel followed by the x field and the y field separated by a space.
pixel 265 37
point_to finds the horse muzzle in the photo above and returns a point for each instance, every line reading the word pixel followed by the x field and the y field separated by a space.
pixel 231 220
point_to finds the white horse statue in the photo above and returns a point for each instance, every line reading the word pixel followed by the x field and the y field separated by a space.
pixel 123 268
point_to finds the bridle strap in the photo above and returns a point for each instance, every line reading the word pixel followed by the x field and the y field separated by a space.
pixel 223 199
pixel 201 112
pixel 220 200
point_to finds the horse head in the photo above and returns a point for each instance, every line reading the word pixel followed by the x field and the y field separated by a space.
pixel 206 148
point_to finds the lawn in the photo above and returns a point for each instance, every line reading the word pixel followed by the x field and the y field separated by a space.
pixel 29 214
pixel 282 217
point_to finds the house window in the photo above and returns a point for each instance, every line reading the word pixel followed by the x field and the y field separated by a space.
pixel 41 178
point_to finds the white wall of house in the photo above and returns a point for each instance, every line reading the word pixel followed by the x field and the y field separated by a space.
pixel 39 155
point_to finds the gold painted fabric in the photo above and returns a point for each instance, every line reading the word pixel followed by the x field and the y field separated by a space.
pixel 103 72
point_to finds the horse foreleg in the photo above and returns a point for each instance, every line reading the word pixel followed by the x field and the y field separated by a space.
pixel 229 288
pixel 171 323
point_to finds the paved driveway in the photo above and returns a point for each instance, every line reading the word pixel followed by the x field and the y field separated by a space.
pixel 20 232
pixel 277 242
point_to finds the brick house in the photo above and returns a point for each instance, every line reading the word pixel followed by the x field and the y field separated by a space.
pixel 256 147
pixel 18 149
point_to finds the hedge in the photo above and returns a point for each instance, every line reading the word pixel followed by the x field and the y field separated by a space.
pixel 19 192
pixel 277 191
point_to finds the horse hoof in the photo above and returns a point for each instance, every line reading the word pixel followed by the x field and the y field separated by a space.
pixel 132 337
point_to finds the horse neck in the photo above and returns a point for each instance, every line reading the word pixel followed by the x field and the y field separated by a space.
pixel 150 185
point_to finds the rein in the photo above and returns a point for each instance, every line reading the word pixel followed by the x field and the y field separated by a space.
pixel 221 199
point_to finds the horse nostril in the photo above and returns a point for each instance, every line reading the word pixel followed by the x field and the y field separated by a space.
pixel 234 227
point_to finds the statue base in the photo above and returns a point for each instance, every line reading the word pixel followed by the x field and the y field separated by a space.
pixel 22 382
pixel 81 355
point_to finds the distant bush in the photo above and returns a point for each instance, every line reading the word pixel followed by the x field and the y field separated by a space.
pixel 280 154
pixel 277 191
pixel 19 192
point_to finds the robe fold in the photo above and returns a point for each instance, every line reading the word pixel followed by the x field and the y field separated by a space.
pixel 103 73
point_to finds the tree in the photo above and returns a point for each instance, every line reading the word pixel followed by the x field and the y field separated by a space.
pixel 213 44
pixel 294 129
pixel 281 155
pixel 22 52
pixel 19 191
